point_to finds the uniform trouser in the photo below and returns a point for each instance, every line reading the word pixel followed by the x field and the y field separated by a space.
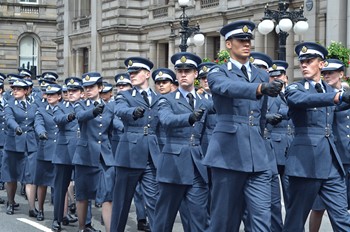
pixel 63 175
pixel 124 190
pixel 230 189
pixel 139 203
pixel 194 199
pixel 276 209
pixel 1 152
pixel 302 194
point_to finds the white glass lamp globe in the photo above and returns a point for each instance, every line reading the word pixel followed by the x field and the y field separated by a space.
pixel 189 41
pixel 285 24
pixel 301 27
pixel 198 39
pixel 277 29
pixel 184 3
pixel 266 26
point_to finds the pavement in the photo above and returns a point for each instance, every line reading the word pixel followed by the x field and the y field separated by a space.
pixel 20 221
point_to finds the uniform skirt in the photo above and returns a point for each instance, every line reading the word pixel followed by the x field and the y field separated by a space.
pixel 13 166
pixel 44 174
pixel 30 167
pixel 93 183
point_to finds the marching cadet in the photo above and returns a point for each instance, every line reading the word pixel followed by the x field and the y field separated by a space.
pixel 65 93
pixel 313 164
pixel 20 146
pixel 138 151
pixel 68 134
pixel 281 129
pixel 333 73
pixel 123 83
pixel 163 79
pixel 107 92
pixel 93 158
pixel 236 153
pixel 181 175
pixel 2 129
pixel 264 62
pixel 203 70
pixel 46 129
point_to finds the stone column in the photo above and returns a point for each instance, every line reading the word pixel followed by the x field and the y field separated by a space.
pixel 66 41
pixel 336 21
pixel 171 51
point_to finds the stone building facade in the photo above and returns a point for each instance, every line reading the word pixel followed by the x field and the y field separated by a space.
pixel 97 35
pixel 28 28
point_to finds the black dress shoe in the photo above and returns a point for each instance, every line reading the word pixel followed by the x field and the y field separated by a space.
pixel 40 216
pixel 10 209
pixel 56 226
pixel 2 201
pixel 72 208
pixel 33 213
pixel 143 225
pixel 69 219
pixel 89 228
pixel 98 205
pixel 16 205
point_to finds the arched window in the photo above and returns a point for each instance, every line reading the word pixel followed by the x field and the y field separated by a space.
pixel 28 52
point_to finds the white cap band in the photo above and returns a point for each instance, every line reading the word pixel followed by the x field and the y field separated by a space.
pixel 237 31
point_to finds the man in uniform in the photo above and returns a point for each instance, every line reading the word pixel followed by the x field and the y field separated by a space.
pixel 138 110
pixel 181 175
pixel 236 152
pixel 313 164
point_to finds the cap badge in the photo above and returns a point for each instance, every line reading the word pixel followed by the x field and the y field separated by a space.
pixel 251 59
pixel 160 73
pixel 121 78
pixel 43 83
pixel 205 69
pixel 245 29
pixel 183 59
pixel 326 63
pixel 274 66
pixel 49 87
pixel 71 81
pixel 16 81
pixel 130 63
pixel 87 77
pixel 304 49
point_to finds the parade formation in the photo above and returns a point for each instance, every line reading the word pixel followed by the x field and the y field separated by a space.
pixel 216 153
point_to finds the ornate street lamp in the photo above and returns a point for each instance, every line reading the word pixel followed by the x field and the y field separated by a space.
pixel 186 31
pixel 284 19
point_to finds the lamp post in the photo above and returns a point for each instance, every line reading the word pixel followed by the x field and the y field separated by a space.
pixel 186 31
pixel 284 19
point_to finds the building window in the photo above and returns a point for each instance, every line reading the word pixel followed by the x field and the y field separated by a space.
pixel 28 53
pixel 29 1
pixel 85 60
pixel 85 8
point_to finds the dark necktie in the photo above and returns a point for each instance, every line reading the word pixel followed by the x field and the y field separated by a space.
pixel 191 100
pixel 244 71
pixel 24 105
pixel 318 88
pixel 95 103
pixel 145 97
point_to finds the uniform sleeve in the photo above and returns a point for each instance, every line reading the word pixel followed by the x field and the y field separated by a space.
pixel 123 108
pixel 39 123
pixel 297 97
pixel 220 83
pixel 10 118
pixel 167 116
pixel 59 117
pixel 83 114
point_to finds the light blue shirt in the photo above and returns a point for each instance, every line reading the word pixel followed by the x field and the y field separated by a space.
pixel 184 94
pixel 239 65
